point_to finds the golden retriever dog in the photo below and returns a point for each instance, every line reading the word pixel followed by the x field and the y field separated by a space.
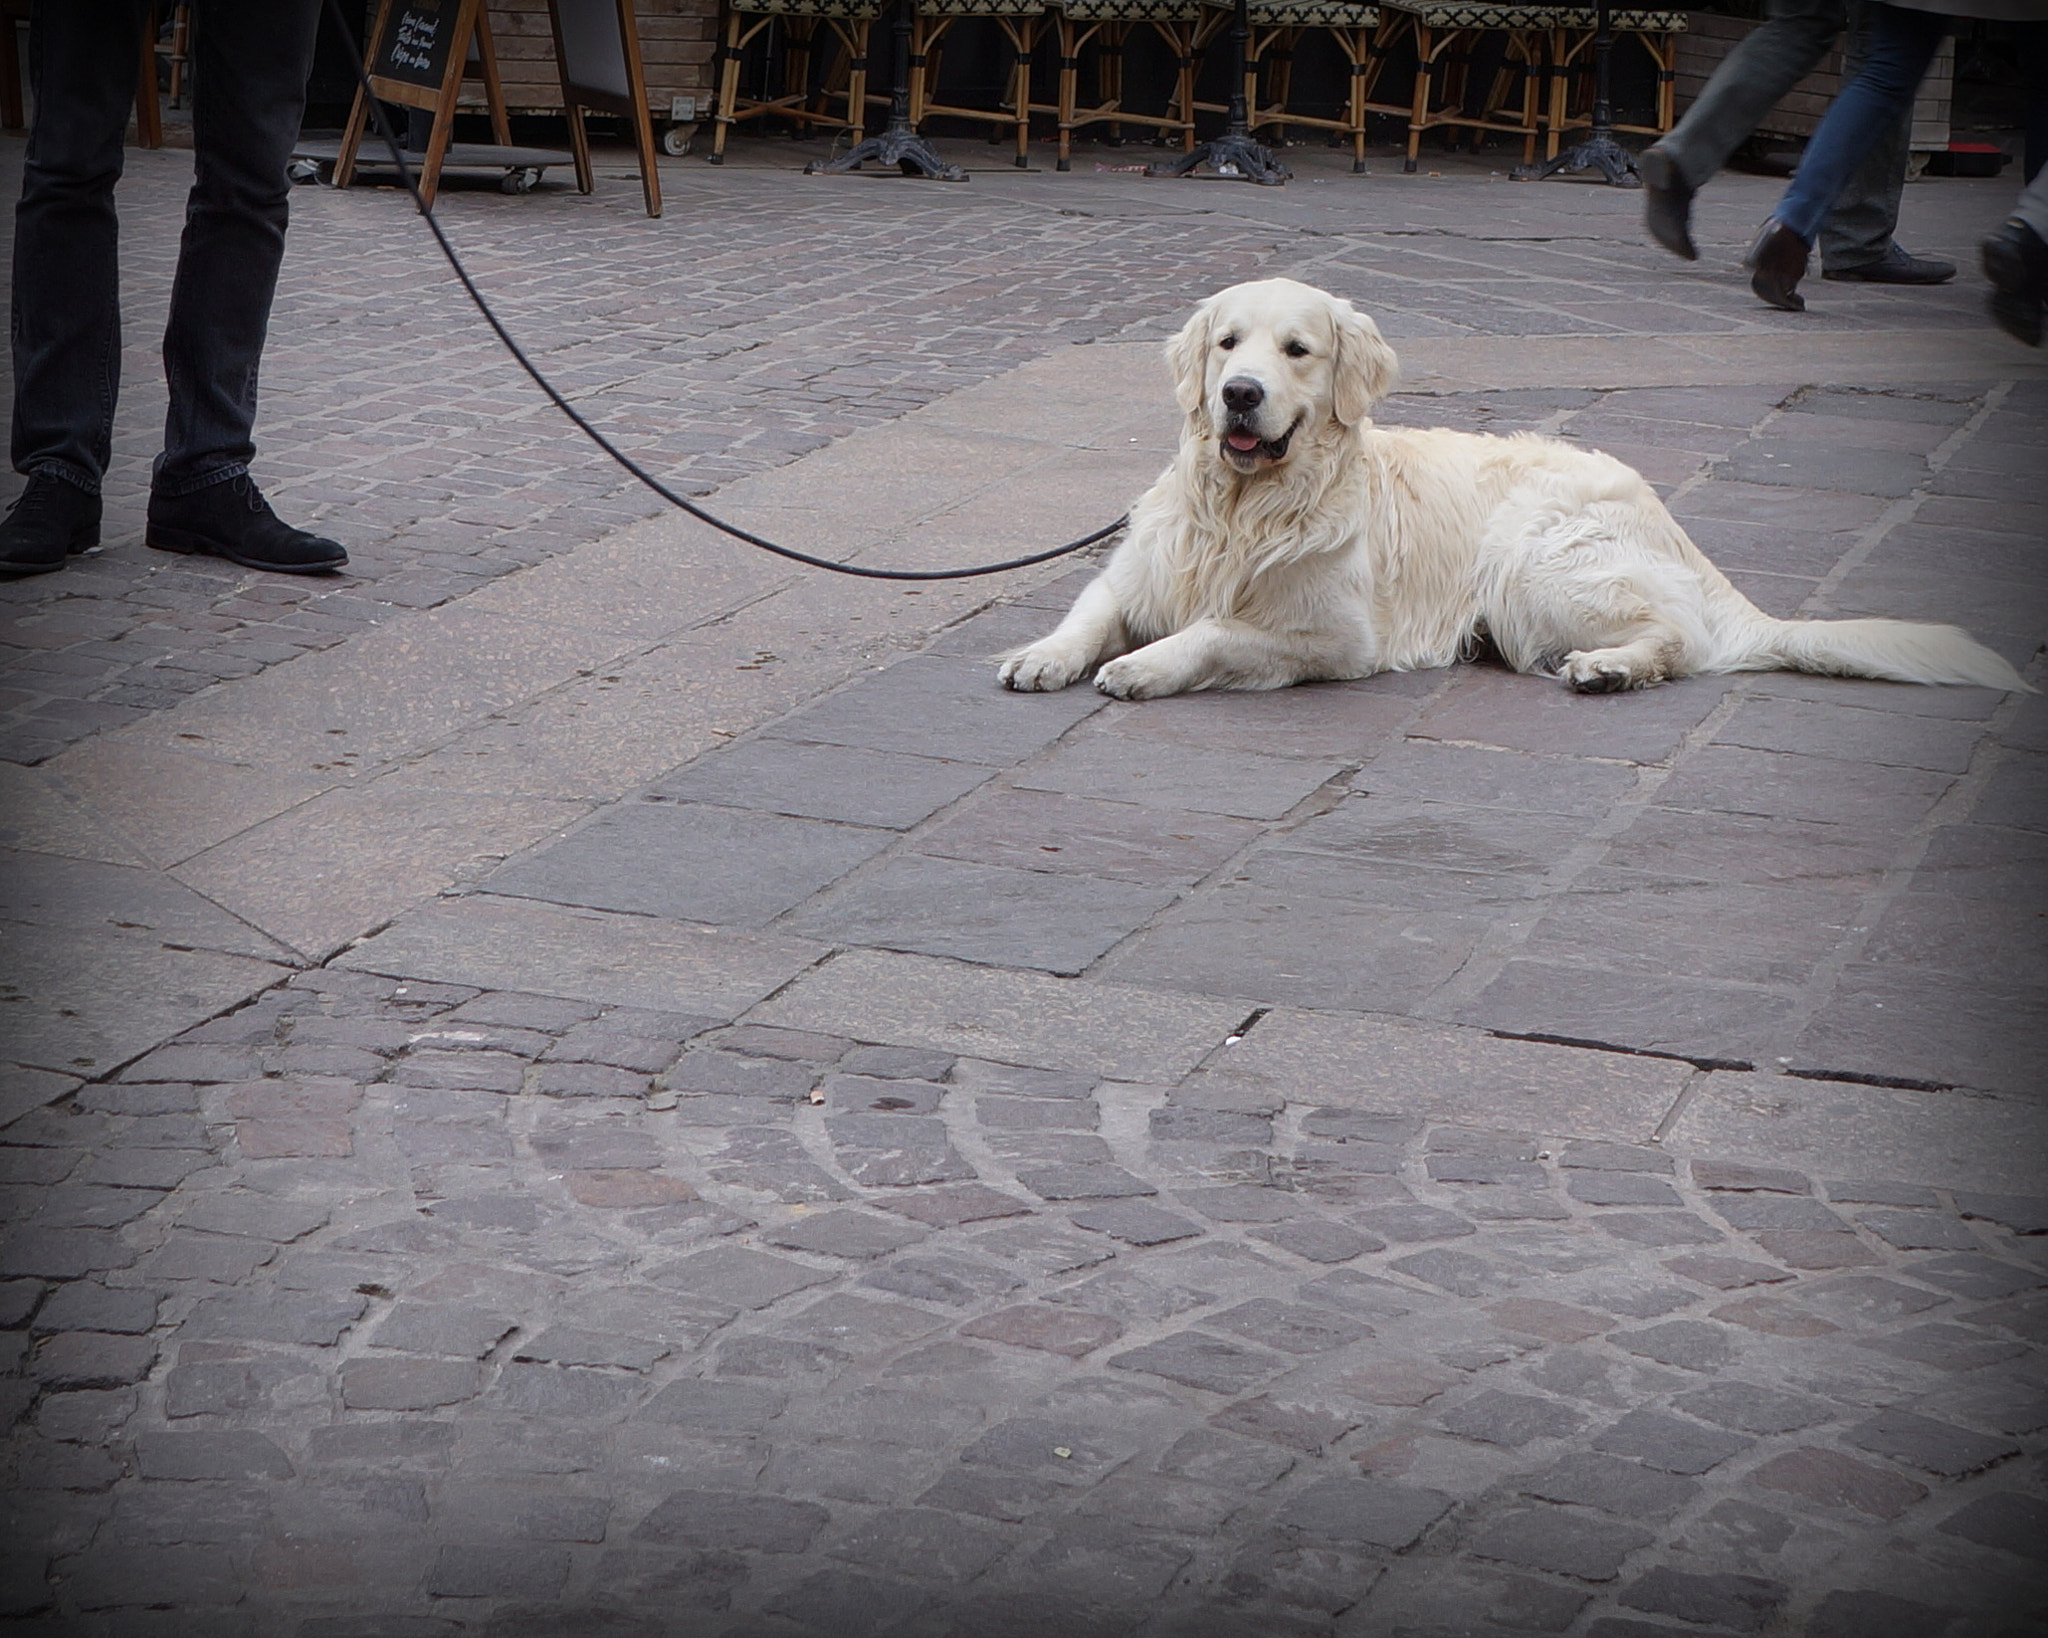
pixel 1293 541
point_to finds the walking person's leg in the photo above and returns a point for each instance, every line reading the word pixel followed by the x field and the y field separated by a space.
pixel 1903 42
pixel 250 62
pixel 1856 241
pixel 2016 263
pixel 66 316
pixel 1764 65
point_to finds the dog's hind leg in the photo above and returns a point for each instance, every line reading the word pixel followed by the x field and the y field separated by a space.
pixel 1591 594
pixel 1092 632
pixel 1651 652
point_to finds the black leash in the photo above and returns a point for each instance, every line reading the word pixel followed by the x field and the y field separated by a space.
pixel 598 438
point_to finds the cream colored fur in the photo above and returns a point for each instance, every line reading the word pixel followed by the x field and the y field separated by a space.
pixel 1333 548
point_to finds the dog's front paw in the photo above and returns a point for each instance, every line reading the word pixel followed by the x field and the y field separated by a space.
pixel 1043 668
pixel 1600 672
pixel 1135 678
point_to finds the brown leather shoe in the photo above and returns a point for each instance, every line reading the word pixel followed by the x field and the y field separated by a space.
pixel 1776 263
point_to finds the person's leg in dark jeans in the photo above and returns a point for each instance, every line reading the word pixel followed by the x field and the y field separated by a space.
pixel 1902 44
pixel 250 61
pixel 65 315
pixel 1856 242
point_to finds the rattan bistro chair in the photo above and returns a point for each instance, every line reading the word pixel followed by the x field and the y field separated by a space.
pixel 844 22
pixel 1445 35
pixel 1571 60
pixel 1106 26
pixel 1277 28
pixel 1022 23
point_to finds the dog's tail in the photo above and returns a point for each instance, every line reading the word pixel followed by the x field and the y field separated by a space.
pixel 1895 650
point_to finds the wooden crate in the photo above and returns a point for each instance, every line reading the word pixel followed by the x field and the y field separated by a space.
pixel 678 39
pixel 1709 37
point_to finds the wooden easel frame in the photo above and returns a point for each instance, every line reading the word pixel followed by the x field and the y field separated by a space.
pixel 472 30
pixel 632 107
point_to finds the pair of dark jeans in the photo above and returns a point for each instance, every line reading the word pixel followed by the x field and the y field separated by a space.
pixel 250 62
pixel 1764 65
pixel 1902 44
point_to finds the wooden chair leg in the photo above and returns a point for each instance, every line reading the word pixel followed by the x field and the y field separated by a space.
pixel 1021 36
pixel 1553 94
pixel 149 110
pixel 1356 46
pixel 181 49
pixel 1189 54
pixel 1418 116
pixel 1071 40
pixel 1531 124
pixel 728 85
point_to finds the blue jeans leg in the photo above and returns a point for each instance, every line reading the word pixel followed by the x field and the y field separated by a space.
pixel 1902 44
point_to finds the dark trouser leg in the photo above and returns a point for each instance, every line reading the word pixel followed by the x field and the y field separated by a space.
pixel 66 326
pixel 1858 231
pixel 250 63
pixel 1766 64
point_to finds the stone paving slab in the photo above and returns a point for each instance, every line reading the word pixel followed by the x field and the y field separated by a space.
pixel 587 955
pixel 1977 1143
pixel 1014 1017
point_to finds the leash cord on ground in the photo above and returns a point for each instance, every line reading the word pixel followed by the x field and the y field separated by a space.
pixel 554 396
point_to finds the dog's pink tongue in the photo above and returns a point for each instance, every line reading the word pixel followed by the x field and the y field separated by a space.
pixel 1242 442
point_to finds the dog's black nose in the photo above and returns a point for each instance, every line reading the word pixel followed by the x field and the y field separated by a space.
pixel 1242 393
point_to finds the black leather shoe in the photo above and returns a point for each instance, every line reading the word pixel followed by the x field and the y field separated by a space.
pixel 50 521
pixel 2016 263
pixel 231 519
pixel 1776 263
pixel 1896 266
pixel 1667 202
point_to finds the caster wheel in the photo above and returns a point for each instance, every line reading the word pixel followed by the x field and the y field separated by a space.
pixel 303 170
pixel 675 141
pixel 519 181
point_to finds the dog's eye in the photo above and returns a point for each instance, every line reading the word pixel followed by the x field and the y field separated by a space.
pixel 1295 349
pixel 1227 343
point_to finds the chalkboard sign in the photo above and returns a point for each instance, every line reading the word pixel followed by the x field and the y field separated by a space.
pixel 417 43
pixel 593 47
pixel 419 52
pixel 597 52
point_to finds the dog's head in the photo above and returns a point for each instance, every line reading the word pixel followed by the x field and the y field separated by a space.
pixel 1263 363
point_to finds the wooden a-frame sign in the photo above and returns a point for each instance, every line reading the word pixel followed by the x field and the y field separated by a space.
pixel 597 52
pixel 420 51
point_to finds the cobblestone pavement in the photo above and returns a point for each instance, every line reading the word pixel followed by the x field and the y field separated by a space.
pixel 405 1308
pixel 1429 1157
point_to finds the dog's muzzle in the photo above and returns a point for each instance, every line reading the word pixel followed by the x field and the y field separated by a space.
pixel 1243 448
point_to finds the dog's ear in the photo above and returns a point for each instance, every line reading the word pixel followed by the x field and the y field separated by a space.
pixel 1187 355
pixel 1365 365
